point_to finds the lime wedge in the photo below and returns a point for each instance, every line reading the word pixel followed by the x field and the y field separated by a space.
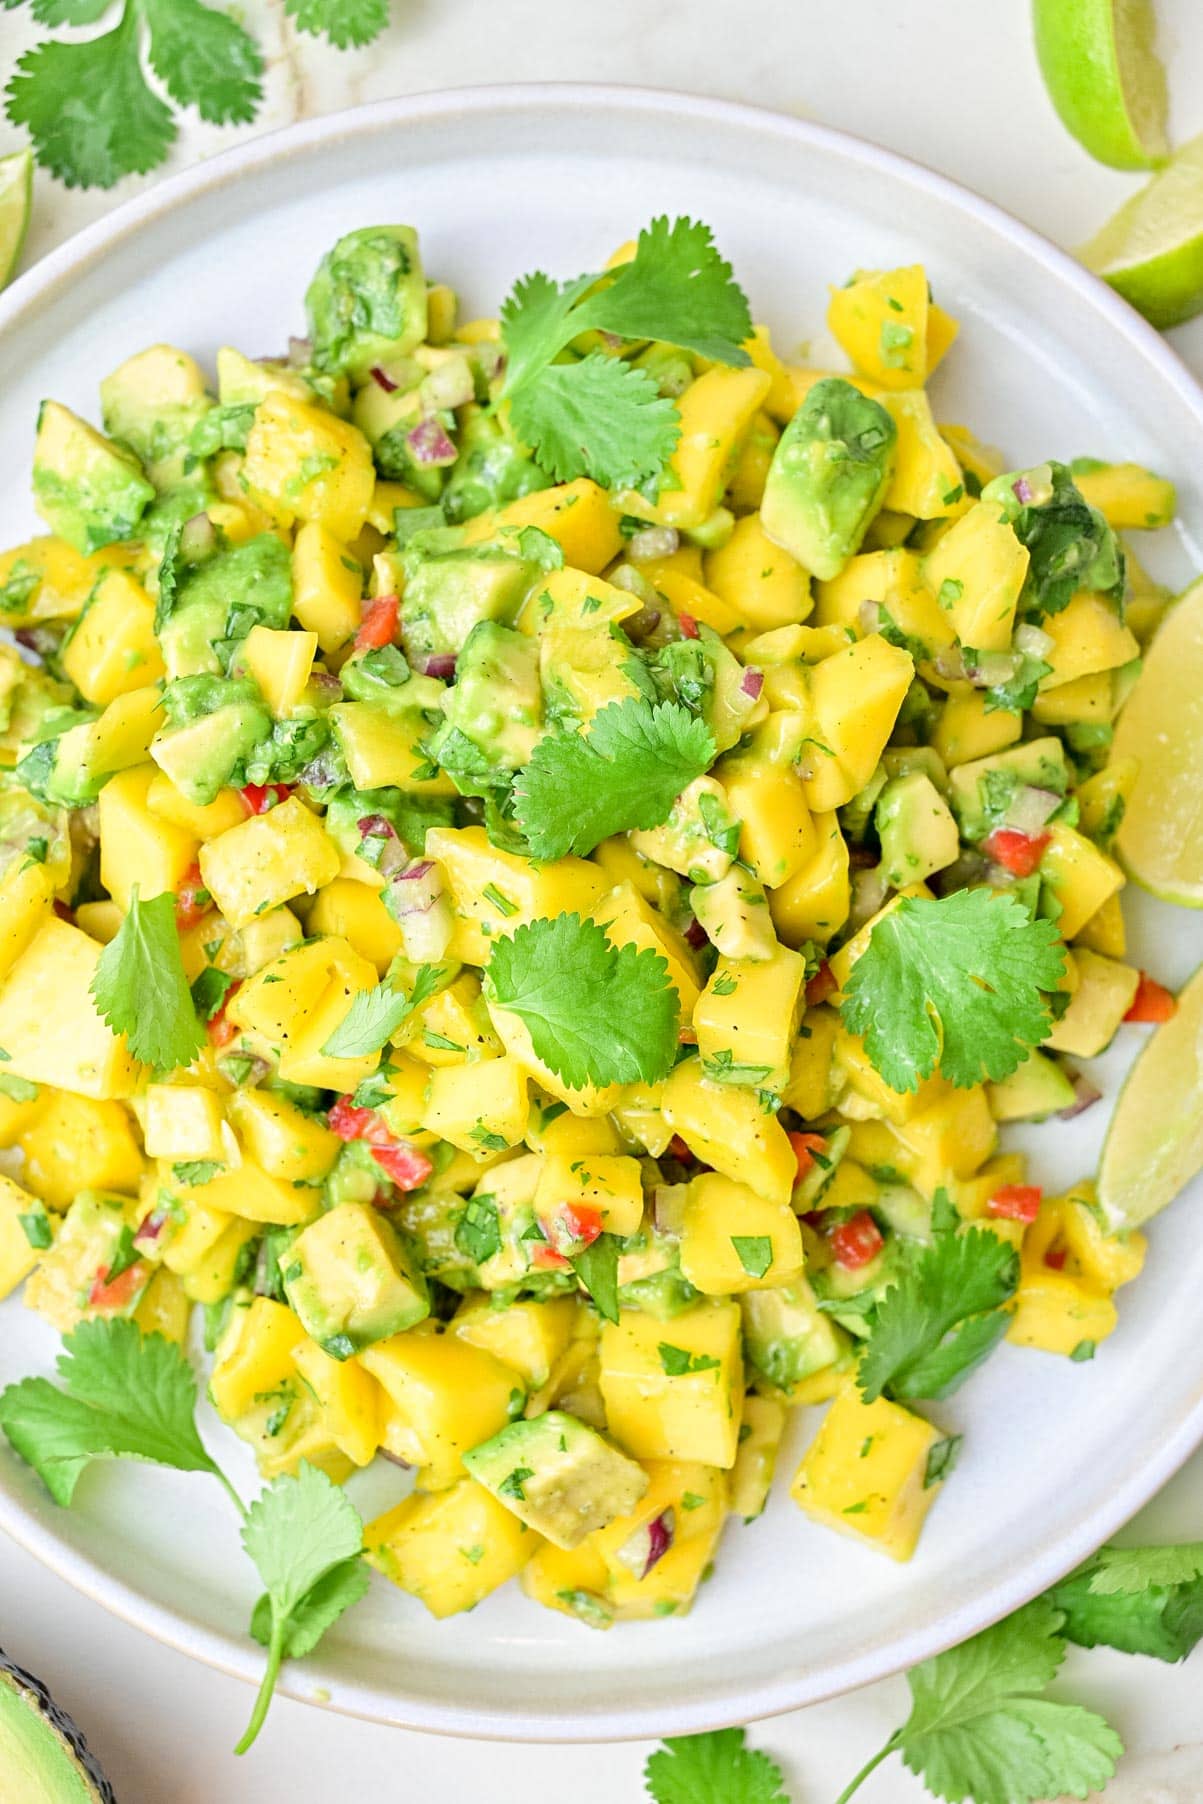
pixel 1151 252
pixel 16 199
pixel 1104 77
pixel 1161 836
pixel 1155 1142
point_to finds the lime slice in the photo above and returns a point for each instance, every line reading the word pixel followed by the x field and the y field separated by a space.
pixel 1151 252
pixel 1161 836
pixel 1155 1142
pixel 1104 77
pixel 16 200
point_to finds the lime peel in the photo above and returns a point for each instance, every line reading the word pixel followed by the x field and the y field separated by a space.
pixel 1160 839
pixel 16 201
pixel 1154 1145
pixel 1104 77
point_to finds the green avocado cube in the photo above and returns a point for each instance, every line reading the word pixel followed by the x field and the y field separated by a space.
pixel 559 1476
pixel 829 476
pixel 917 831
pixel 367 302
pixel 497 699
pixel 351 1280
pixel 88 490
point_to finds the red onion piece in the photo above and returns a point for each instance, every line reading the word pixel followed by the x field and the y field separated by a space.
pixel 417 870
pixel 869 616
pixel 439 664
pixel 991 667
pixel 1030 808
pixel 449 385
pixel 430 446
pixel 326 684
pixel 376 826
pixel 1022 490
pixel 652 542
pixel 300 352
pixel 416 889
pixel 752 683
pixel 950 664
pixel 1033 642
pixel 394 1459
pixel 695 935
pixel 1086 1095
pixel 648 1545
pixel 150 1227
pixel 612 340
pixel 392 859
pixel 383 380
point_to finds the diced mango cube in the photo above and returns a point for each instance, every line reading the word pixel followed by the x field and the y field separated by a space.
pixel 452 1549
pixel 267 860
pixel 733 1240
pixel 673 1390
pixel 866 1473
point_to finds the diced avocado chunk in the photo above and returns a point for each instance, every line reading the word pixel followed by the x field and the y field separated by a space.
pixel 496 700
pixel 918 834
pixel 734 913
pixel 1036 1089
pixel 218 601
pixel 386 417
pixel 54 769
pixel 351 1280
pixel 982 791
pixel 367 302
pixel 558 1476
pixel 152 402
pixel 700 837
pixel 787 1336
pixel 214 723
pixel 244 383
pixel 828 476
pixel 449 590
pixel 87 489
pixel 492 468
pixel 410 817
pixel 1070 545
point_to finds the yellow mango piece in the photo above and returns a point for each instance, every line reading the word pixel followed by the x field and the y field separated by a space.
pixel 254 1355
pixel 763 583
pixel 952 1136
pixel 865 1472
pixel 477 1106
pixel 577 515
pixel 529 1336
pixel 452 1027
pixel 450 1550
pixel 927 477
pixel 327 586
pixel 724 1126
pixel 1057 1313
pixel 611 1185
pixel 282 1139
pixel 354 912
pixel 969 729
pixel 1088 636
pixel 281 664
pixel 122 736
pixel 349 1398
pixel 696 1496
pixel 748 1014
pixel 112 647
pixel 810 1088
pixel 715 411
pixel 745 491
pixel 267 860
pixel 72 1143
pixel 283 993
pixel 895 1105
pixel 880 320
pixel 303 463
pixel 182 1121
pixel 1128 496
pixel 246 1190
pixel 664 1398
pixel 976 571
pixel 1085 699
pixel 687 594
pixel 1101 998
pixel 473 866
pixel 449 1394
pixel 1080 877
pixel 304 1059
pixel 136 845
pixel 777 832
pixel 18 1255
pixel 733 1240
pixel 26 893
pixel 164 1308
pixel 212 1274
pixel 47 579
pixel 813 904
pixel 1105 931
pixel 382 749
pixel 201 821
pixel 573 598
pixel 630 920
pixel 855 698
pixel 49 1024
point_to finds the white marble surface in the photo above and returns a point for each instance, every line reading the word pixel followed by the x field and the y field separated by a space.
pixel 954 84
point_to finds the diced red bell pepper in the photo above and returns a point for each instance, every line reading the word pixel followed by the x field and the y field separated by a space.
pixel 1017 852
pixel 258 798
pixel 545 1258
pixel 805 1147
pixel 193 900
pixel 62 911
pixel 379 624
pixel 1055 1259
pixel 679 1150
pixel 220 1029
pixel 405 1165
pixel 688 625
pixel 821 985
pixel 1152 1001
pixel 1016 1202
pixel 856 1242
pixel 121 1292
pixel 573 1227
pixel 350 1123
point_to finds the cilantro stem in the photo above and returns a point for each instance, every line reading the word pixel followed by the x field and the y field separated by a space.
pixel 870 1766
pixel 275 1656
pixel 228 1488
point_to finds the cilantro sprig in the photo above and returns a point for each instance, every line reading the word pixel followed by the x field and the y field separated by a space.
pixel 704 1769
pixel 375 1015
pixel 1140 1600
pixel 959 982
pixel 599 416
pixel 625 772
pixel 91 113
pixel 125 1395
pixel 942 1317
pixel 141 990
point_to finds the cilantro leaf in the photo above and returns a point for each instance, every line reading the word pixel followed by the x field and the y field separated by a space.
pixel 1140 1600
pixel 715 1768
pixel 625 772
pixel 298 1532
pixel 124 1396
pixel 88 109
pixel 596 1013
pixel 955 982
pixel 374 1017
pixel 344 22
pixel 532 322
pixel 938 1322
pixel 318 1610
pixel 205 59
pixel 140 988
pixel 65 12
pixel 600 418
pixel 677 288
pixel 597 1269
pixel 209 992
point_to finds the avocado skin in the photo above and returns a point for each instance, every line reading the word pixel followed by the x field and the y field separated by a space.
pixel 62 1725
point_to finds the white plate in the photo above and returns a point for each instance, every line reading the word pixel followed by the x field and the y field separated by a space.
pixel 500 181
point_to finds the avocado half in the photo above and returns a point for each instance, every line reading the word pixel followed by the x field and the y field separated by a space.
pixel 44 1759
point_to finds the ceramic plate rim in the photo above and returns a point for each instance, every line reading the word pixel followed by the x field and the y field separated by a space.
pixel 240 1658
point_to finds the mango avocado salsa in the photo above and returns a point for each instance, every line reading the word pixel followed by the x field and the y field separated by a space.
pixel 536 856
